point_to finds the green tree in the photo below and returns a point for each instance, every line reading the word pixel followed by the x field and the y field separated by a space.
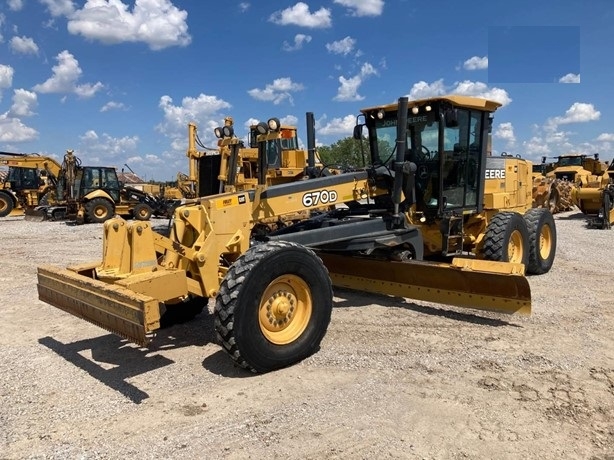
pixel 345 153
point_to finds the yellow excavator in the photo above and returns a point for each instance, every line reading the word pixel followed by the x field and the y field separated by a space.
pixel 431 218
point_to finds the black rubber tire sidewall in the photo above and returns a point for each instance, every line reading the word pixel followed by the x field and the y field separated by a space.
pixel 256 352
pixel 136 212
pixel 498 234
pixel 90 206
pixel 536 219
pixel 9 204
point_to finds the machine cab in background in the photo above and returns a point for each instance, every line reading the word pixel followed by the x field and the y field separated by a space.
pixel 446 147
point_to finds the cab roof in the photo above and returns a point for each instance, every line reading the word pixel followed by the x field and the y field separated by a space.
pixel 469 102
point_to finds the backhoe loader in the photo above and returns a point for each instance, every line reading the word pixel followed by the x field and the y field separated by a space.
pixel 594 196
pixel 28 181
pixel 431 218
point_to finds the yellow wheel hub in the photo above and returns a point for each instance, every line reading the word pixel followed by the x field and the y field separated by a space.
pixel 545 242
pixel 514 248
pixel 285 309
pixel 100 211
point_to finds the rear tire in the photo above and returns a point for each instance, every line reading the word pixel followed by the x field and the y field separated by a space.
pixel 142 211
pixel 507 239
pixel 274 306
pixel 98 210
pixel 542 240
pixel 6 204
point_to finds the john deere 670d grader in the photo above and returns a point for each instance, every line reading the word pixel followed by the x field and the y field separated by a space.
pixel 431 218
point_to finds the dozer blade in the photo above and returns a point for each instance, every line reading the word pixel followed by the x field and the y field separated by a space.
pixel 464 283
pixel 119 310
pixel 35 215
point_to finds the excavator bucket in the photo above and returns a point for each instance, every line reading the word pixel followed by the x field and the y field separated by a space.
pixel 469 283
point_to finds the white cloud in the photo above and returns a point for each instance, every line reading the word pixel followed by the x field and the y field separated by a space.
pixel 244 6
pixel 476 63
pixel 570 78
pixel 363 7
pixel 299 41
pixel 423 89
pixel 344 46
pixel 158 23
pixel 23 45
pixel 24 103
pixel 59 7
pixel 204 110
pixel 107 146
pixel 505 132
pixel 6 76
pixel 15 5
pixel 299 15
pixel 278 91
pixel 338 126
pixel 65 76
pixel 535 147
pixel 112 105
pixel 606 137
pixel 13 130
pixel 348 90
pixel 579 112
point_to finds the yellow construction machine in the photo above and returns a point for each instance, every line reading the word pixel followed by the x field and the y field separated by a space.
pixel 29 181
pixel 594 196
pixel 431 218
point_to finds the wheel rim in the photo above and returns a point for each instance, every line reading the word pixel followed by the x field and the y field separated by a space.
pixel 3 205
pixel 285 309
pixel 100 212
pixel 514 248
pixel 143 213
pixel 545 242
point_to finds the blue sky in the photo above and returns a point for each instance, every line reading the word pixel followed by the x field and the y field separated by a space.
pixel 118 80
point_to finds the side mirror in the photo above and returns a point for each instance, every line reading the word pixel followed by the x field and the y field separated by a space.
pixel 358 132
pixel 451 118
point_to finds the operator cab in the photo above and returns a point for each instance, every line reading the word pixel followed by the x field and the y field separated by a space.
pixel 446 145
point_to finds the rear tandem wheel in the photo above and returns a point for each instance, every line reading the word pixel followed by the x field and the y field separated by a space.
pixel 6 204
pixel 274 306
pixel 507 239
pixel 542 240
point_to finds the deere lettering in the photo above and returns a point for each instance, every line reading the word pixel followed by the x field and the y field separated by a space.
pixel 495 174
pixel 421 119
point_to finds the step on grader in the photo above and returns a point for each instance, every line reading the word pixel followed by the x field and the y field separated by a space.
pixel 432 218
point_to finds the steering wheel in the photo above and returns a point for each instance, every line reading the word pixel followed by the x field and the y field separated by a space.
pixel 426 152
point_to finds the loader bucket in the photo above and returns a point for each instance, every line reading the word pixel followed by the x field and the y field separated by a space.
pixel 469 283
pixel 124 312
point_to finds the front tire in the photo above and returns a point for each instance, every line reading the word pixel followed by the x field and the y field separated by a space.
pixel 142 211
pixel 507 239
pixel 274 306
pixel 542 240
pixel 98 210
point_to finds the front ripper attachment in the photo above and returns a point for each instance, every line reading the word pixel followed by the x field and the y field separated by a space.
pixel 124 312
pixel 482 285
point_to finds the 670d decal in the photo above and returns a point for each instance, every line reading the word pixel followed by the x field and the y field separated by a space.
pixel 319 197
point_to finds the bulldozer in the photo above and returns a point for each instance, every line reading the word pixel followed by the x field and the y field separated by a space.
pixel 430 218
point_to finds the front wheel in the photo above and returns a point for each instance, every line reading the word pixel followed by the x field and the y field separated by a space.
pixel 507 239
pixel 274 306
pixel 542 240
pixel 142 211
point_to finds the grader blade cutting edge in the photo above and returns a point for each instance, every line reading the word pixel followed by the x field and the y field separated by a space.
pixel 464 283
pixel 122 311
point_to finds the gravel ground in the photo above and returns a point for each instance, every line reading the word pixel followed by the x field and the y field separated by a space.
pixel 393 379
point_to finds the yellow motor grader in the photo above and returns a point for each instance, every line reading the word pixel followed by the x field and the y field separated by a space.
pixel 431 218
